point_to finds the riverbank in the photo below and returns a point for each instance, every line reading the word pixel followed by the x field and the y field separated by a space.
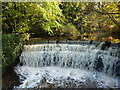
pixel 12 48
pixel 9 80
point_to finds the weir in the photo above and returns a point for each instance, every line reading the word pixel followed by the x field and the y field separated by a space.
pixel 116 45
pixel 74 56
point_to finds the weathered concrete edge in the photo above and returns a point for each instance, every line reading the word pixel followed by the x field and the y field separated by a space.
pixel 116 45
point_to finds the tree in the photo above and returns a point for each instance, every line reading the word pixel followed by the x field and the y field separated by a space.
pixel 16 17
pixel 77 13
pixel 111 13
pixel 49 17
pixel 20 17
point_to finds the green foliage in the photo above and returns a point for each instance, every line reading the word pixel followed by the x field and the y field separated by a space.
pixel 15 17
pixel 49 18
pixel 11 44
pixel 77 13
pixel 37 31
pixel 25 36
pixel 67 30
pixel 72 12
pixel 20 17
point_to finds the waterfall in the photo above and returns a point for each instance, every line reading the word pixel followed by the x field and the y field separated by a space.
pixel 74 56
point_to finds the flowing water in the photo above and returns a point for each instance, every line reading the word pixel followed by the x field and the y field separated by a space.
pixel 68 65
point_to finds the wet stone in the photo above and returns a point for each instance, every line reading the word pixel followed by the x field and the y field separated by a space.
pixel 99 64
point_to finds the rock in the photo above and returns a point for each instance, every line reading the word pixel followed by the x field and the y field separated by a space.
pixel 104 45
pixel 107 44
pixel 66 41
pixel 43 81
pixel 99 64
pixel 48 40
pixel 21 64
pixel 117 68
pixel 91 42
pixel 57 41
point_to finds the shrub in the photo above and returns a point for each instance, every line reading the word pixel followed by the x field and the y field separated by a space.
pixel 11 45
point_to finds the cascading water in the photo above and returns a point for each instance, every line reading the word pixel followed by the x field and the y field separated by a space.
pixel 58 64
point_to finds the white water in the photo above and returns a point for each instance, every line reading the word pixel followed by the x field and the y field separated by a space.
pixel 58 75
pixel 57 62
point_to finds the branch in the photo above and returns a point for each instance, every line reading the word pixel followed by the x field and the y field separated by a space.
pixel 105 13
pixel 110 16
